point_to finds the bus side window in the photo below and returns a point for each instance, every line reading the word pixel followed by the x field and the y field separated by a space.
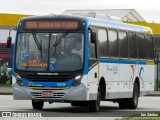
pixel 149 47
pixel 123 44
pixel 113 43
pixel 102 43
pixel 141 46
pixel 132 45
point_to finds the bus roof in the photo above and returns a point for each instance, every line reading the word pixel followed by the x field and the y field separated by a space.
pixel 95 22
pixel 46 17
pixel 118 25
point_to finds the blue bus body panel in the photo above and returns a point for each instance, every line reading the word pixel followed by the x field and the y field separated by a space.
pixel 86 48
pixel 47 84
pixel 123 62
pixel 14 52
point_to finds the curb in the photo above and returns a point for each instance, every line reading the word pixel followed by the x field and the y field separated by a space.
pixel 5 93
pixel 153 95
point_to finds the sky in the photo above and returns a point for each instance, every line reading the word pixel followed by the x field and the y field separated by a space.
pixel 148 9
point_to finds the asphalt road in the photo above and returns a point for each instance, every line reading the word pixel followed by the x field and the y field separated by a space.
pixel 147 104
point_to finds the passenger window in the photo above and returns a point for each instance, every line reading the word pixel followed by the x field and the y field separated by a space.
pixel 141 46
pixel 123 44
pixel 113 44
pixel 102 43
pixel 149 47
pixel 132 45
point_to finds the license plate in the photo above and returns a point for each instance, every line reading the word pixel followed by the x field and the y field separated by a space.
pixel 47 93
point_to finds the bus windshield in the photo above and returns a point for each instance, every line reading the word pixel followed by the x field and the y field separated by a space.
pixel 50 51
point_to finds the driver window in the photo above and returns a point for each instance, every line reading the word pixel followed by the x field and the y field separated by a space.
pixel 91 48
pixel 92 57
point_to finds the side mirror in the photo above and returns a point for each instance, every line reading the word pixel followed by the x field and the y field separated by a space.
pixel 9 40
pixel 93 37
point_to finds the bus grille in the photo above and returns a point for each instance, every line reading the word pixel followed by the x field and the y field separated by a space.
pixel 47 78
pixel 39 95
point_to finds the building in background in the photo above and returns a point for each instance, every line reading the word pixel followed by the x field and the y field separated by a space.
pixel 7 22
pixel 6 53
pixel 126 15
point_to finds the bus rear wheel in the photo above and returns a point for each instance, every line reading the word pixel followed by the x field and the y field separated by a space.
pixel 37 104
pixel 133 102
pixel 94 106
pixel 130 103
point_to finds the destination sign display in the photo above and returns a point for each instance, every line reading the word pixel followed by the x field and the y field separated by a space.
pixel 51 25
pixel 34 63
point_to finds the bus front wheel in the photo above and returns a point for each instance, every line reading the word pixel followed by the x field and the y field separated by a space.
pixel 74 104
pixel 80 104
pixel 94 106
pixel 37 104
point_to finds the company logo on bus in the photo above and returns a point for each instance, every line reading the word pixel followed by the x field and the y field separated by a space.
pixel 31 84
pixel 61 84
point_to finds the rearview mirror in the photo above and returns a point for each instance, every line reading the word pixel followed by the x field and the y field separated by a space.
pixel 9 40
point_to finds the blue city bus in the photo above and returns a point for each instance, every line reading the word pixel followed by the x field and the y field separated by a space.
pixel 81 60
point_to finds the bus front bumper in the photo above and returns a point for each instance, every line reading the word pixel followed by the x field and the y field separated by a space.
pixel 78 93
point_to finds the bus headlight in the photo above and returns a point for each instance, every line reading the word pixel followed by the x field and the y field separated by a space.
pixel 19 80
pixel 77 80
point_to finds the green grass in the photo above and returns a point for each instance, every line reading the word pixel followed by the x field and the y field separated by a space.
pixel 139 117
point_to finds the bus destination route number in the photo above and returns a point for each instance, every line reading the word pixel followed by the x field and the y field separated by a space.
pixel 51 25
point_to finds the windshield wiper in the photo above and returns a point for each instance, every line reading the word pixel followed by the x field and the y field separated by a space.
pixel 39 45
pixel 59 40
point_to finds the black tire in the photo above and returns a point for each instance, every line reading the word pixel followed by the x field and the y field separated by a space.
pixel 74 104
pixel 37 104
pixel 123 104
pixel 133 102
pixel 94 106
pixel 80 104
pixel 83 104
